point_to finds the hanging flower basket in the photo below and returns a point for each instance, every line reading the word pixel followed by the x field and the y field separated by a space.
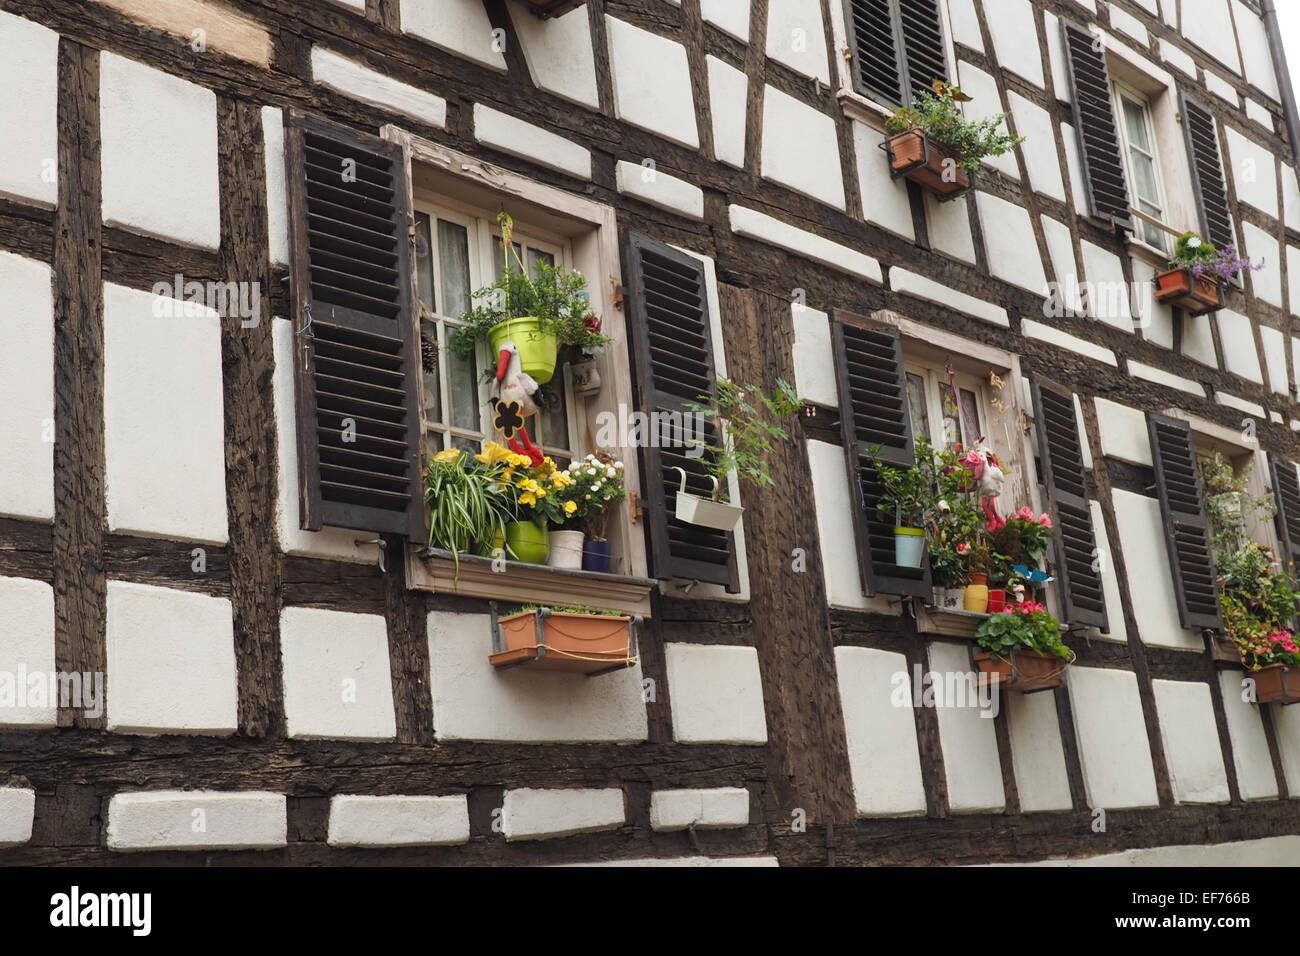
pixel 706 512
pixel 1025 672
pixel 544 639
pixel 915 156
pixel 1194 294
pixel 1277 682
pixel 537 349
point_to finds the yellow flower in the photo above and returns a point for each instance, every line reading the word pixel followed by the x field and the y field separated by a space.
pixel 528 498
pixel 493 453
pixel 517 461
pixel 570 507
pixel 448 457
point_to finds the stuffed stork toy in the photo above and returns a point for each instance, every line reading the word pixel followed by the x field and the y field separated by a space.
pixel 987 472
pixel 512 402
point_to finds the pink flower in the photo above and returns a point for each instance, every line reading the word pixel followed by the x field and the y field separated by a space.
pixel 1024 514
pixel 1045 520
pixel 973 458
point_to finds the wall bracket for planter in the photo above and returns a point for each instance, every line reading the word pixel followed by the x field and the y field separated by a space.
pixel 1027 672
pixel 544 639
pixel 914 156
pixel 549 9
pixel 1195 295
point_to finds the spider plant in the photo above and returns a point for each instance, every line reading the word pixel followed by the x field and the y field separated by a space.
pixel 469 502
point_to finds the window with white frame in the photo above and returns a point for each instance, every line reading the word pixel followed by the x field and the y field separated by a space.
pixel 933 408
pixel 1142 163
pixel 457 253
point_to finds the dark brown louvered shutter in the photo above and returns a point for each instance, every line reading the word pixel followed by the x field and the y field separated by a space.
pixel 1187 531
pixel 1094 120
pixel 897 47
pixel 1060 459
pixel 1211 192
pixel 672 345
pixel 872 383
pixel 1286 496
pixel 356 354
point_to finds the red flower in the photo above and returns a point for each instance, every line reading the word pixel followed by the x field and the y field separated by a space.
pixel 1024 514
pixel 592 324
pixel 1045 520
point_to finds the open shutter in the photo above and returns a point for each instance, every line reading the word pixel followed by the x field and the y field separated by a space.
pixel 873 417
pixel 1202 137
pixel 1060 459
pixel 673 356
pixel 357 359
pixel 1286 495
pixel 1187 531
pixel 896 46
pixel 1094 119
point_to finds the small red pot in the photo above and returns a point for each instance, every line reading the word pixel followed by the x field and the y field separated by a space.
pixel 997 601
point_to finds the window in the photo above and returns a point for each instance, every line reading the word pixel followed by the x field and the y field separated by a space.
pixel 1146 193
pixel 896 48
pixel 933 407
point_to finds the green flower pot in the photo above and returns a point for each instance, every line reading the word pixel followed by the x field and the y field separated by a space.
pixel 537 349
pixel 526 541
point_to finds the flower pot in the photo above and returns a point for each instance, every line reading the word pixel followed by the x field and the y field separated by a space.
pixel 953 598
pixel 526 541
pixel 975 597
pixel 705 511
pixel 595 556
pixel 997 600
pixel 1277 682
pixel 537 349
pixel 585 377
pixel 1195 295
pixel 1026 671
pixel 909 547
pixel 565 550
pixel 915 156
pixel 564 641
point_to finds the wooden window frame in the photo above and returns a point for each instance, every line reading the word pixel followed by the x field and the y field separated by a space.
pixel 1120 92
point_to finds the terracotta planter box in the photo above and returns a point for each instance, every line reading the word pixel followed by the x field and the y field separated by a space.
pixel 564 641
pixel 1195 295
pixel 547 9
pixel 915 156
pixel 1277 682
pixel 1026 672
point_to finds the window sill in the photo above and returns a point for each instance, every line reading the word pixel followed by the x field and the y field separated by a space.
pixel 434 570
pixel 858 107
pixel 946 623
pixel 1147 253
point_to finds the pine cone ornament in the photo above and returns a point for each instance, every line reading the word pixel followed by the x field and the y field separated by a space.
pixel 428 352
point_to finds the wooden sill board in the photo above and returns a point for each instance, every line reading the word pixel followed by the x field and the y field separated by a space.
pixel 933 620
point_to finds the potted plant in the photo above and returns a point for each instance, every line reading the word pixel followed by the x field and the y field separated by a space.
pixel 909 499
pixel 523 537
pixel 933 145
pixel 540 313
pixel 470 502
pixel 748 421
pixel 1019 547
pixel 597 487
pixel 1196 273
pixel 1022 648
pixel 583 639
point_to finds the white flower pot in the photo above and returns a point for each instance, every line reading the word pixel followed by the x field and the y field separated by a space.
pixel 566 550
pixel 705 511
pixel 909 547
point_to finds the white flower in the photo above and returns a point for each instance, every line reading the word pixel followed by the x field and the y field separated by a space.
pixel 588 497
pixel 596 486
pixel 591 471
pixel 1193 243
pixel 618 464
pixel 610 472
pixel 943 506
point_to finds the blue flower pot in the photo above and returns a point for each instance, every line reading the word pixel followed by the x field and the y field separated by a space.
pixel 595 556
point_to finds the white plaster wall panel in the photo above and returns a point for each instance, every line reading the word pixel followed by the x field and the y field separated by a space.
pixel 1286 721
pixel 1112 736
pixel 801 148
pixel 964 24
pixel 1146 555
pixel 170 661
pixel 967 737
pixel 1056 57
pixel 831 501
pixel 1260 246
pixel 1221 88
pixel 884 758
pixel 1070 140
pixel 685 861
pixel 922 287
pixel 950 231
pixel 26 653
pixel 1177 58
pixel 1128 25
pixel 559 53
pixel 985 102
pixel 1260 114
pixel 1198 343
pixel 659 189
pixel 29 150
pixel 757 225
pixel 699 809
pixel 1117 629
pixel 1239 354
pixel 1154 319
pixel 473 701
pixel 1274 358
pixel 1295 357
pixel 1060 247
pixel 1037 755
pixel 1084 445
pixel 277 202
pixel 1158 375
pixel 1015 39
pixel 1291 197
pixel 728 96
pixel 1208 24
pixel 1256 56
pixel 27 386
pixel 1250 753
pixel 1232 401
pixel 814 360
pixel 376 821
pixel 197 820
pixel 365 85
pixel 544 814
pixel 158 138
pixel 1108 292
pixel 1253 171
pixel 1269 851
pixel 796 37
pixel 1150 6
pixel 1293 278
pixel 884 201
pixel 1044 165
pixel 652 82
pixel 1123 432
pixel 1089 5
pixel 716 693
pixel 518 138
pixel 1050 333
pixel 730 15
pixel 457 26
pixel 337 682
pixel 1009 240
pixel 17 812
pixel 1191 737
pixel 164 424
pixel 357 5
pixel 328 542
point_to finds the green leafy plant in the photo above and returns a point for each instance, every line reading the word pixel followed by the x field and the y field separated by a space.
pixel 1204 258
pixel 749 421
pixel 469 503
pixel 1022 627
pixel 935 112
pixel 575 609
pixel 596 487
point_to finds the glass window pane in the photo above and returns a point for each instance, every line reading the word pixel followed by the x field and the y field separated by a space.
pixel 971 417
pixel 432 443
pixel 1135 124
pixel 498 255
pixel 918 412
pixel 462 381
pixel 1144 176
pixel 537 255
pixel 555 419
pixel 471 445
pixel 453 261
pixel 424 262
pixel 951 417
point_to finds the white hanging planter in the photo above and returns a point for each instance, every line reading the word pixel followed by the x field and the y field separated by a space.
pixel 705 511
